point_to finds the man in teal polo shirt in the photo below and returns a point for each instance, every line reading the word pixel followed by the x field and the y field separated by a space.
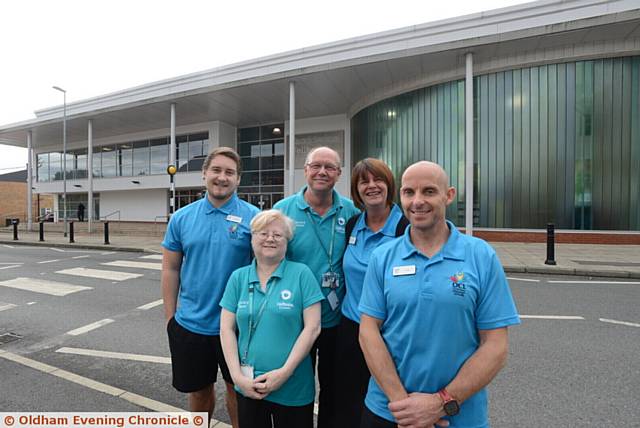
pixel 204 243
pixel 321 213
pixel 435 309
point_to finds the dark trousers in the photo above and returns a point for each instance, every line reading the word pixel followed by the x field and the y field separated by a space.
pixel 352 374
pixel 323 351
pixel 265 414
pixel 371 420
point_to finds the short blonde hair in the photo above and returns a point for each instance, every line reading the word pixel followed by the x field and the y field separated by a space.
pixel 265 218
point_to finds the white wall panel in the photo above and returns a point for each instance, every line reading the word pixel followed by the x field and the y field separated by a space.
pixel 134 205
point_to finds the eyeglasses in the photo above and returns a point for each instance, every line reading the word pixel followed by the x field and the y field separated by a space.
pixel 329 167
pixel 263 236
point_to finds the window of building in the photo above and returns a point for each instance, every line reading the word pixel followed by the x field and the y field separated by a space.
pixel 261 149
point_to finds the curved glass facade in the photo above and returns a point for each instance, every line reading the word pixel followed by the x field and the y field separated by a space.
pixel 555 143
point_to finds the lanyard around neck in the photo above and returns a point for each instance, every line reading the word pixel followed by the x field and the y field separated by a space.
pixel 329 252
pixel 254 325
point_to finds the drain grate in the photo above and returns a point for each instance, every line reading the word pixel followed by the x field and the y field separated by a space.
pixel 9 337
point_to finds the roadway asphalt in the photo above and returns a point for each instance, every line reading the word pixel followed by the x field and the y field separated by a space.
pixel 92 339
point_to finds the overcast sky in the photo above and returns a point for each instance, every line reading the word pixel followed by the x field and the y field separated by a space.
pixel 92 48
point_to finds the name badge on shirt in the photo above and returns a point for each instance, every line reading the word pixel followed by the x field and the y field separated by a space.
pixel 234 218
pixel 404 270
pixel 352 240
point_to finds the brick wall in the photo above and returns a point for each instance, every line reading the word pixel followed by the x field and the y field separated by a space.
pixel 563 237
pixel 13 202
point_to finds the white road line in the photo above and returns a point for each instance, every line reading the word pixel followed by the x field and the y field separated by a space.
pixel 81 330
pixel 57 249
pixel 523 279
pixel 9 267
pixel 8 246
pixel 132 264
pixel 100 274
pixel 49 261
pixel 31 303
pixel 92 384
pixel 551 317
pixel 116 355
pixel 11 263
pixel 153 257
pixel 81 257
pixel 107 253
pixel 5 306
pixel 592 282
pixel 630 324
pixel 43 286
pixel 150 305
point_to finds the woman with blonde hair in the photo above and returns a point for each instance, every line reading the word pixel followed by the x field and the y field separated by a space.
pixel 274 306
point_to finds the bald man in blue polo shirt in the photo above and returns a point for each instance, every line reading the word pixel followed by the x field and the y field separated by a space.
pixel 434 315
pixel 205 242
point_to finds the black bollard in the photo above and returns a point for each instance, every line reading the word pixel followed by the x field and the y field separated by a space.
pixel 14 222
pixel 106 233
pixel 550 245
pixel 71 240
pixel 42 231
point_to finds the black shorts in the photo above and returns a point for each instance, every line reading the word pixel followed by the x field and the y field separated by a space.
pixel 194 358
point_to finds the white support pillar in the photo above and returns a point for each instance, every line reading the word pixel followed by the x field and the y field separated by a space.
pixel 172 160
pixel 29 182
pixel 469 132
pixel 90 175
pixel 292 137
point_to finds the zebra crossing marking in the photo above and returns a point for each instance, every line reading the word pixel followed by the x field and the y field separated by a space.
pixel 43 286
pixel 132 264
pixel 100 274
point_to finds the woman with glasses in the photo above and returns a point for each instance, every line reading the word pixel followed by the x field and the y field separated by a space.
pixel 274 305
pixel 372 190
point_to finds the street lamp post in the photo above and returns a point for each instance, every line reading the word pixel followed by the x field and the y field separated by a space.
pixel 64 156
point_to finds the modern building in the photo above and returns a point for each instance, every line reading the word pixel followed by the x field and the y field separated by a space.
pixel 534 110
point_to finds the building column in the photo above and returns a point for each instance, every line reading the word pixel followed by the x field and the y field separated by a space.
pixel 29 182
pixel 292 137
pixel 469 132
pixel 90 175
pixel 172 160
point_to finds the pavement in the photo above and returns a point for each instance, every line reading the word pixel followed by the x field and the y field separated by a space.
pixel 616 261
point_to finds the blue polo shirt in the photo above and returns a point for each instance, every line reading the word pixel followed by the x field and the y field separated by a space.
pixel 432 309
pixel 306 246
pixel 213 242
pixel 290 289
pixel 360 245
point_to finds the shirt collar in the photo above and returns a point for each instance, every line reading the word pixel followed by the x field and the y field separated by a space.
pixel 390 225
pixel 304 205
pixel 452 249
pixel 225 209
pixel 278 273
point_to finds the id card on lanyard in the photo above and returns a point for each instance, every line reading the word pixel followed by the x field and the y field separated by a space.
pixel 245 367
pixel 330 279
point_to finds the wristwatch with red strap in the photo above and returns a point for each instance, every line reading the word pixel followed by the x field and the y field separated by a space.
pixel 450 404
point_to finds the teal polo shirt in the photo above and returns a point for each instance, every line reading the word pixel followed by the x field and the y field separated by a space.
pixel 431 310
pixel 360 245
pixel 306 246
pixel 214 242
pixel 290 289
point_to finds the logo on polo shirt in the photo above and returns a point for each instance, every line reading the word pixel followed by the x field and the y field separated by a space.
pixel 233 231
pixel 285 294
pixel 341 221
pixel 457 286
